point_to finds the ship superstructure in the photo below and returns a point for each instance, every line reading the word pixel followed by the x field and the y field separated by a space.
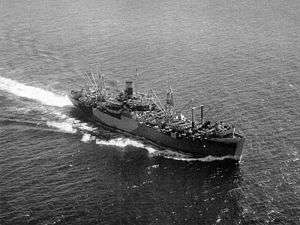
pixel 145 115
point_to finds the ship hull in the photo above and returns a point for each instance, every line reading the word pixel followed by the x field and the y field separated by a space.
pixel 230 147
pixel 215 147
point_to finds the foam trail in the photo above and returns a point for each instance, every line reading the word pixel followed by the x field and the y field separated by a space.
pixel 181 157
pixel 69 124
pixel 38 94
pixel 205 159
pixel 123 142
pixel 74 123
pixel 86 138
pixel 62 126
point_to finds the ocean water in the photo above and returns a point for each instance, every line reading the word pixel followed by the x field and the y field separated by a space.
pixel 239 58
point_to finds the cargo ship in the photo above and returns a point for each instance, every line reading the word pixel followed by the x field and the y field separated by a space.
pixel 147 116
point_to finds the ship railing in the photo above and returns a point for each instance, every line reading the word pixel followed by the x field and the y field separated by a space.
pixel 185 126
pixel 199 136
pixel 177 123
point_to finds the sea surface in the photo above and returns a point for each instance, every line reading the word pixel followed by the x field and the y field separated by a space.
pixel 239 58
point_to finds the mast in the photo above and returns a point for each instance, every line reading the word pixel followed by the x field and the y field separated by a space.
pixel 170 98
pixel 193 119
pixel 201 111
pixel 95 82
pixel 88 79
pixel 136 78
pixel 157 102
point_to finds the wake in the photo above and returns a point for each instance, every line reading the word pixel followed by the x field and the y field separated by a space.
pixel 71 125
pixel 62 123
pixel 34 93
pixel 66 124
pixel 182 157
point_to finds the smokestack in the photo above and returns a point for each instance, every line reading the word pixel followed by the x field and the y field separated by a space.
pixel 201 110
pixel 128 89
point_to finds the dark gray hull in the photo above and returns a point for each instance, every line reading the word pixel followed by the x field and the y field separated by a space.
pixel 230 147
pixel 215 147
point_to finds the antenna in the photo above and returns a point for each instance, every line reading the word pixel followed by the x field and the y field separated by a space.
pixel 136 78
